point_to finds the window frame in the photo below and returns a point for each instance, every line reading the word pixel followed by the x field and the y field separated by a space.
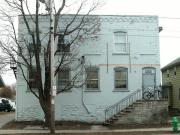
pixel 175 71
pixel 116 42
pixel 63 47
pixel 33 80
pixel 167 73
pixel 57 78
pixel 98 79
pixel 121 69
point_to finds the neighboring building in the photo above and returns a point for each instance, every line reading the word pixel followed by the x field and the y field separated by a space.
pixel 124 59
pixel 2 84
pixel 171 82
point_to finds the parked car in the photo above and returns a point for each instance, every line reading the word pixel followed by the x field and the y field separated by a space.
pixel 6 107
pixel 8 101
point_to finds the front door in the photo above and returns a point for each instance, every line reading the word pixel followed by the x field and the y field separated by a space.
pixel 148 78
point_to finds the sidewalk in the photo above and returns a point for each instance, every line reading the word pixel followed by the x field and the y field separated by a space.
pixel 85 131
pixel 5 118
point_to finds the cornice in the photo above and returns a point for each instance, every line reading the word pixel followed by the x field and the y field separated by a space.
pixel 102 18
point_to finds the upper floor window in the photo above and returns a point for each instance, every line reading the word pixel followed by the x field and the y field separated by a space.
pixel 167 73
pixel 63 44
pixel 120 41
pixel 121 78
pixel 92 80
pixel 32 78
pixel 63 79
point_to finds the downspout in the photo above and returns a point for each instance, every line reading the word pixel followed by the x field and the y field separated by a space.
pixel 83 102
pixel 82 94
pixel 129 57
pixel 107 58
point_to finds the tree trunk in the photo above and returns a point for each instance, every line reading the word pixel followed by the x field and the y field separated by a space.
pixel 47 109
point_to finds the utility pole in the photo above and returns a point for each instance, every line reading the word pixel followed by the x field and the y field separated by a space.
pixel 53 87
pixel 49 8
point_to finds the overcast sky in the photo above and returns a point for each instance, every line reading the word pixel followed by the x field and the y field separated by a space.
pixel 169 18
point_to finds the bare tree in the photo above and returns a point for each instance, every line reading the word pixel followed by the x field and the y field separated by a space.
pixel 31 48
pixel 7 92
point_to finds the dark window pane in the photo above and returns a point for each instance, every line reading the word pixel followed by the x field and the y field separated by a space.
pixel 120 75
pixel 62 46
pixel 32 78
pixel 92 74
pixel 121 84
pixel 92 83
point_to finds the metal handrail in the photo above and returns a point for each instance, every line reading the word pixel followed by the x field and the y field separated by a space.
pixel 114 109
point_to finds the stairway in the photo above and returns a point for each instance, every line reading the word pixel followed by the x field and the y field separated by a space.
pixel 146 112
pixel 134 110
pixel 124 106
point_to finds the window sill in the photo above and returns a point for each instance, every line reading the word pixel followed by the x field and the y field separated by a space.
pixel 120 90
pixel 120 53
pixel 64 91
pixel 88 54
pixel 92 90
pixel 63 53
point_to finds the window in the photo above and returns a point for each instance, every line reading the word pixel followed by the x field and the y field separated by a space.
pixel 63 44
pixel 92 81
pixel 29 43
pixel 179 93
pixel 32 78
pixel 30 48
pixel 120 41
pixel 63 79
pixel 174 70
pixel 121 78
pixel 167 73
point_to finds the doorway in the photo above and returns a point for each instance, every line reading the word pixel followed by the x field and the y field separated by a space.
pixel 148 79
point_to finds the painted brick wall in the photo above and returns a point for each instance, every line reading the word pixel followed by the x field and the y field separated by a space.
pixel 144 52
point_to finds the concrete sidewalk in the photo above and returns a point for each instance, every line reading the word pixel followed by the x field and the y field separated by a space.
pixel 86 131
pixel 6 117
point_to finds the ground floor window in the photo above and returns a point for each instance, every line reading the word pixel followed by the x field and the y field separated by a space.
pixel 63 79
pixel 32 78
pixel 120 78
pixel 92 78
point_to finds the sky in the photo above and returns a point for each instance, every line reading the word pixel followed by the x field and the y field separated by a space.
pixel 169 18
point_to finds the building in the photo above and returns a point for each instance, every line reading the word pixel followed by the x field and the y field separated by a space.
pixel 171 83
pixel 122 58
pixel 2 84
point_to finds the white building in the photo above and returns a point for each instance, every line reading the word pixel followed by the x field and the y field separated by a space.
pixel 124 58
